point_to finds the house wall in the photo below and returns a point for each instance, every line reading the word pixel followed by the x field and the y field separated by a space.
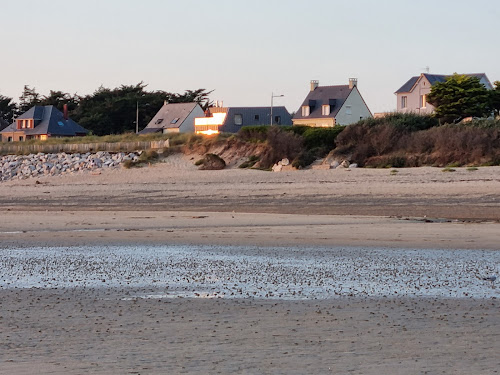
pixel 358 110
pixel 16 135
pixel 316 122
pixel 187 125
pixel 423 87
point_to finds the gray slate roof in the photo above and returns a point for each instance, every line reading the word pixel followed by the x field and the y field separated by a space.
pixel 434 78
pixel 252 116
pixel 48 120
pixel 169 116
pixel 335 96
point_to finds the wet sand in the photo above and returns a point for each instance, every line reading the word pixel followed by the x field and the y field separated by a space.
pixel 97 332
pixel 105 331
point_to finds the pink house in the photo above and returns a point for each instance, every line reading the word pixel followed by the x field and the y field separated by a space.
pixel 412 96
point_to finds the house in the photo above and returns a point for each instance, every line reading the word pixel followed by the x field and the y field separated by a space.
pixel 174 118
pixel 412 96
pixel 232 119
pixel 42 122
pixel 327 106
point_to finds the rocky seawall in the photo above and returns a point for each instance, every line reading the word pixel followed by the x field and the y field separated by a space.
pixel 37 165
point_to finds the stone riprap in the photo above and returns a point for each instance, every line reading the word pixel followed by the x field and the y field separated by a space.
pixel 37 165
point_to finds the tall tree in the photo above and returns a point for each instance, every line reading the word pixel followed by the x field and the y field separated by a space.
pixel 28 99
pixel 460 96
pixel 58 99
pixel 113 111
pixel 8 109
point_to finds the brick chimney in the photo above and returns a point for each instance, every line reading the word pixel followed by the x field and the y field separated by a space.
pixel 314 85
pixel 65 112
pixel 353 82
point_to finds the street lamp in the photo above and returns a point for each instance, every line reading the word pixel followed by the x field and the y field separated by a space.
pixel 272 97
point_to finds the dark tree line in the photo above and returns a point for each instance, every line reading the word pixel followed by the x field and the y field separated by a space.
pixel 106 111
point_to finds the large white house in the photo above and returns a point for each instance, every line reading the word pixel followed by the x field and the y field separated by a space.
pixel 326 106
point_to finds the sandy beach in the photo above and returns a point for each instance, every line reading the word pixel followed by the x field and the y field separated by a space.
pixel 114 330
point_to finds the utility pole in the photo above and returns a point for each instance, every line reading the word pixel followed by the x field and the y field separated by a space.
pixel 137 119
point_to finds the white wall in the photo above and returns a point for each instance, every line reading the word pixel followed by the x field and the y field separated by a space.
pixel 423 87
pixel 188 125
pixel 359 109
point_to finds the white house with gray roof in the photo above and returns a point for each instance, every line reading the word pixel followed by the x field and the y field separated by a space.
pixel 174 118
pixel 412 96
pixel 326 106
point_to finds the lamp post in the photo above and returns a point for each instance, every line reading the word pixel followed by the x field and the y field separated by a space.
pixel 137 119
pixel 272 98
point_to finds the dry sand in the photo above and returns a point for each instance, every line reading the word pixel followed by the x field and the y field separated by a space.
pixel 75 331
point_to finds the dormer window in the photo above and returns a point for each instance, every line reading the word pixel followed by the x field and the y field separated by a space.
pixel 306 110
pixel 325 110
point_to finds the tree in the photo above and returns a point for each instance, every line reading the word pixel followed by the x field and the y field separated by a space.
pixel 58 99
pixel 460 96
pixel 8 109
pixel 28 99
pixel 113 111
pixel 495 99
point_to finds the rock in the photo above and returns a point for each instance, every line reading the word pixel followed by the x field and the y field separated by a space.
pixel 277 167
pixel 353 165
pixel 285 162
pixel 212 162
pixel 334 164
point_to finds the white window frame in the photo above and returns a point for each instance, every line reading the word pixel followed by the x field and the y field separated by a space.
pixel 325 110
pixel 306 111
pixel 348 110
pixel 238 116
pixel 404 101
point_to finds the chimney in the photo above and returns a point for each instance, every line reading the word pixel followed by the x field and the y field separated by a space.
pixel 65 112
pixel 353 82
pixel 314 85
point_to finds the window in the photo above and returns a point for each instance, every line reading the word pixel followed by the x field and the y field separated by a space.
pixel 256 117
pixel 159 121
pixel 325 110
pixel 21 138
pixel 348 110
pixel 423 101
pixel 277 120
pixel 60 123
pixel 238 119
pixel 174 121
pixel 9 139
pixel 23 124
pixel 306 110
pixel 404 101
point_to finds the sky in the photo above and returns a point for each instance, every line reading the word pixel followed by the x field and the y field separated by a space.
pixel 244 50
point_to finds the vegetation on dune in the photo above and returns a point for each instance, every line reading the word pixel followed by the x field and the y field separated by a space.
pixel 410 140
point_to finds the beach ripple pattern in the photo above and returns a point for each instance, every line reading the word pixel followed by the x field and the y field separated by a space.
pixel 253 272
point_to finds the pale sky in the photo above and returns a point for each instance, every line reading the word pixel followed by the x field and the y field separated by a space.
pixel 244 50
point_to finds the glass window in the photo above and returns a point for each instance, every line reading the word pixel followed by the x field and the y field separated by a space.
pixel 238 119
pixel 257 118
pixel 277 120
pixel 305 110
pixel 325 110
pixel 423 101
pixel 404 101
pixel 348 110
pixel 174 121
pixel 159 121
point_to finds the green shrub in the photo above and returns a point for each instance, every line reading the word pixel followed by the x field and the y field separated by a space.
pixel 256 133
pixel 199 162
pixel 127 164
pixel 305 159
pixel 321 137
